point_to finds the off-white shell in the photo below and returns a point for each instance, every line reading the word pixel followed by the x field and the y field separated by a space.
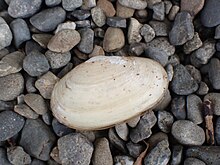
pixel 107 90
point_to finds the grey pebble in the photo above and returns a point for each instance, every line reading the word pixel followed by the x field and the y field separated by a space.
pixel 17 155
pixel 81 14
pixel 29 84
pixel 165 102
pixel 123 160
pixel 58 60
pixel 35 64
pixel 24 110
pixel 60 129
pixel 50 17
pixel 21 32
pixel 70 5
pixel 75 149
pixel 51 3
pixel 168 6
pixel 183 83
pixel 47 118
pixel 10 124
pixel 192 44
pixel 116 22
pixel 165 121
pixel 42 139
pixel 136 49
pixel 122 130
pixel 31 45
pixel 159 11
pixel 3 157
pixel 195 73
pixel 147 32
pixel 215 100
pixel 174 60
pixel 188 133
pixel 23 8
pixel 42 39
pixel 83 24
pixel 134 149
pixel 69 25
pixel 155 139
pixel 203 89
pixel 170 72
pixel 173 12
pixel 11 86
pixel 214 73
pixel 160 28
pixel 98 16
pixel 90 135
pixel 65 70
pixel 6 105
pixel 177 155
pixel 133 34
pixel 138 4
pixel 6 34
pixel 217 131
pixel 133 121
pixel 160 154
pixel 88 4
pixel 193 161
pixel 87 40
pixel 143 128
pixel 157 55
pixel 182 21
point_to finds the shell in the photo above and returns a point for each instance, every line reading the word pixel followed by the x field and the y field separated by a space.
pixel 107 90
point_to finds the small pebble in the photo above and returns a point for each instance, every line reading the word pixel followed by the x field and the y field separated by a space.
pixel 165 121
pixel 215 100
pixel 134 31
pixel 87 38
pixel 90 135
pixel 141 15
pixel 66 25
pixel 214 73
pixel 52 3
pixel 6 105
pixel 107 7
pixel 136 49
pixel 168 5
pixel 178 107
pixel 192 7
pixel 217 32
pixel 3 157
pixel 177 155
pixel 123 160
pixel 159 11
pixel 60 129
pixel 195 73
pixel 122 131
pixel 81 14
pixel 116 22
pixel 123 12
pixel 29 84
pixel 47 118
pixel 42 39
pixel 147 32
pixel 10 124
pixel 6 34
pixel 169 70
pixel 98 16
pixel 134 149
pixel 188 133
pixel 97 51
pixel 138 4
pixel 173 12
pixel 75 149
pixel 193 161
pixel 55 155
pixel 160 28
pixel 24 110
pixel 83 24
pixel 157 55
pixel 203 89
pixel 70 5
pixel 192 44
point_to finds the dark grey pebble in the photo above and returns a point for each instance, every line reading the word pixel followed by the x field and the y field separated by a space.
pixel 87 39
pixel 31 45
pixel 203 89
pixel 50 17
pixel 81 14
pixel 182 21
pixel 3 157
pixel 156 138
pixel 75 149
pixel 195 73
pixel 159 11
pixel 10 124
pixel 60 129
pixel 192 44
pixel 217 131
pixel 210 15
pixel 177 155
pixel 157 55
pixel 116 22
pixel 51 3
pixel 134 149
pixel 70 5
pixel 136 49
pixel 217 32
pixel 214 73
pixel 20 30
pixel 183 83
pixel 193 161
pixel 37 139
pixel 24 110
pixel 160 28
pixel 23 8
pixel 83 24
pixel 35 64
pixel 165 121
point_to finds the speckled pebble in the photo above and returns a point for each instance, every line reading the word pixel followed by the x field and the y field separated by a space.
pixel 6 34
pixel 147 32
pixel 134 31
pixel 98 16
pixel 177 155
pixel 192 44
pixel 214 97
pixel 165 121
pixel 87 40
pixel 178 107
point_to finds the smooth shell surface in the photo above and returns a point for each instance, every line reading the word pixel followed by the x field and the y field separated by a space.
pixel 107 90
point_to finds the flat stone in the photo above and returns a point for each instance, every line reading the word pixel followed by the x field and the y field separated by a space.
pixel 123 159
pixel 122 130
pixel 81 14
pixel 64 41
pixel 107 7
pixel 70 5
pixel 46 83
pixel 116 22
pixel 98 16
pixel 23 8
pixel 75 149
pixel 188 133
pixel 51 18
pixel 160 28
pixel 21 32
pixel 147 32
pixel 217 32
pixel 134 31
pixel 177 154
pixel 182 21
pixel 10 124
pixel 42 39
pixel 192 7
pixel 60 129
pixel 3 157
pixel 87 40
pixel 52 3
pixel 114 39
pixel 134 149
pixel 192 44
pixel 165 121
pixel 6 34
pixel 37 146
pixel 193 161
pixel 35 64
pixel 11 86
pixel 138 4
pixel 123 12
pixel 24 110
pixel 66 25
pixel 210 15
pixel 36 102
pixel 157 55
pixel 215 100
pixel 159 11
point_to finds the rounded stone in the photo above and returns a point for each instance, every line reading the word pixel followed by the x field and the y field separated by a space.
pixel 137 4
pixel 107 7
pixel 87 38
pixel 6 34
pixel 98 16
pixel 70 5
pixel 193 161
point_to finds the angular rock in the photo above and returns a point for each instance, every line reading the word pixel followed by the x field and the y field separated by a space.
pixel 165 121
pixel 159 11
pixel 87 39
pixel 70 5
pixel 168 5
pixel 24 110
pixel 138 4
pixel 203 88
pixel 192 7
pixel 150 3
pixel 83 24
pixel 157 55
pixel 134 31
pixel 6 34
pixel 215 100
pixel 147 32
pixel 98 16
pixel 116 22
pixel 107 7
pixel 192 44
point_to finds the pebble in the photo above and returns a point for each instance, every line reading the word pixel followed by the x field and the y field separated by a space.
pixel 70 5
pixel 11 86
pixel 21 32
pixel 160 154
pixel 141 15
pixel 81 14
pixel 10 124
pixel 35 64
pixel 165 121
pixel 202 55
pixel 217 32
pixel 178 107
pixel 168 5
pixel 23 8
pixel 143 128
pixel 217 46
pixel 192 44
pixel 147 32
pixel 155 139
pixel 97 51
pixel 215 100
pixel 183 83
pixel 116 22
pixel 150 3
pixel 75 149
pixel 203 89
pixel 90 135
pixel 160 28
pixel 24 110
pixel 114 39
pixel 207 154
pixel 163 44
pixel 6 105
pixel 57 60
pixel 123 160
pixel 192 7
pixel 173 12
pixel 195 73
pixel 42 39
pixel 188 133
pixel 66 25
pixel 138 4
pixel 102 153
pixel 136 49
pixel 134 31
pixel 169 70
pixel 159 11
pixel 122 130
pixel 217 130
pixel 133 121
pixel 60 129
pixel 210 15
pixel 29 84
pixel 88 4
pixel 107 7
pixel 50 17
pixel 17 155
pixel 65 70
pixel 36 102
pixel 177 155
pixel 123 12
pixel 46 83
pixel 47 118
pixel 31 45
pixel 83 24
pixel 214 73
pixel 87 38
pixel 11 63
pixel 64 41
pixel 134 149
pixel 6 34
pixel 55 155
pixel 165 102
pixel 98 16
pixel 193 161
pixel 37 146
pixel 157 55
pixel 182 21
pixel 52 3
pixel 3 157
pixel 194 109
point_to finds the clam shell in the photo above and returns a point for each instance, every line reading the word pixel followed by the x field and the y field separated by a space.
pixel 107 90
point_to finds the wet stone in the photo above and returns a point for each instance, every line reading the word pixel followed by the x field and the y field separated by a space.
pixel 192 44
pixel 178 107
pixel 193 161
pixel 107 7
pixel 157 55
pixel 87 39
pixel 165 121
pixel 138 4
pixel 214 73
pixel 134 31
pixel 24 110
pixel 98 16
pixel 6 34
pixel 160 28
pixel 81 14
pixel 122 130
pixel 51 3
pixel 123 12
pixel 192 7
pixel 159 11
pixel 177 155
pixel 70 5
pixel 60 129
pixel 147 32
pixel 123 160
pixel 116 22
pixel 215 100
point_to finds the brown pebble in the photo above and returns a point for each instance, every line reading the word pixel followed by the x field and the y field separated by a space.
pixel 107 7
pixel 193 7
pixel 123 12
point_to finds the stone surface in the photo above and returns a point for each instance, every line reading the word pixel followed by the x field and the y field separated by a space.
pixel 193 161
pixel 98 16
pixel 70 5
pixel 150 3
pixel 87 39
pixel 133 121
pixel 138 4
pixel 192 7
pixel 157 55
pixel 134 149
pixel 83 24
pixel 66 25
pixel 214 97
pixel 203 88
pixel 116 22
pixel 29 84
pixel 173 12
pixel 195 73
pixel 24 110
pixel 10 124
pixel 75 149
pixel 160 28
pixel 88 4
pixel 81 14
pixel 147 32
pixel 188 133
pixel 3 157
pixel 214 73
pixel 123 160
pixel 60 129
pixel 52 3
pixel 156 138
pixel 122 130
pixel 42 39
pixel 123 12
pixel 107 7
pixel 97 51
pixel 134 31
pixel 158 11
pixel 192 44
pixel 64 41
pixel 177 155
pixel 37 146
pixel 165 121
pixel 178 107
pixel 6 34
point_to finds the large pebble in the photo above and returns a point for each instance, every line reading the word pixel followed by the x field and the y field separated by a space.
pixel 193 161
pixel 64 41
pixel 70 5
pixel 165 121
pixel 6 34
pixel 75 149
pixel 188 133
pixel 214 73
pixel 23 8
pixel 3 157
pixel 215 101
pixel 87 39
pixel 138 4
pixel 98 16
pixel 10 124
pixel 192 44
pixel 37 139
pixel 50 17
pixel 107 7
pixel 11 86
pixel 193 7
pixel 134 31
